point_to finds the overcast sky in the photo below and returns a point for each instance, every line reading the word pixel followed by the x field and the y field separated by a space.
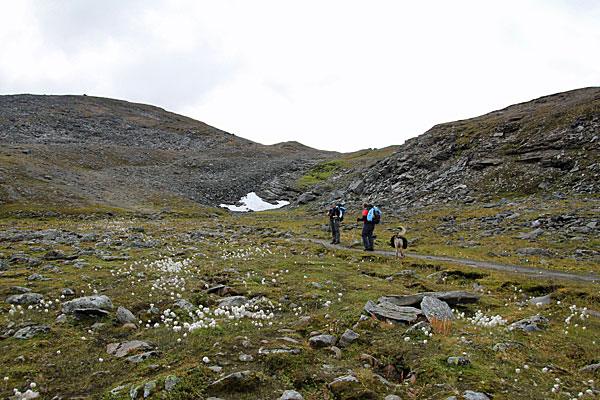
pixel 337 75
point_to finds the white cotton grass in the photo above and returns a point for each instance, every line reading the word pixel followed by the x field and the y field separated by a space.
pixel 480 319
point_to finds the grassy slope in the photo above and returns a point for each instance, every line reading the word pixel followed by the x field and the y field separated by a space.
pixel 349 279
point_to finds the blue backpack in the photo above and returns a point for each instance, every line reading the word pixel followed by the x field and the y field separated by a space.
pixel 374 215
pixel 342 212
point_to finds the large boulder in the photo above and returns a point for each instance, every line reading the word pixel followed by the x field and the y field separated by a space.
pixel 93 305
pixel 31 331
pixel 25 298
pixel 436 310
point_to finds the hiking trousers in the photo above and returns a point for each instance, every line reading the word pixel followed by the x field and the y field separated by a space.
pixel 367 235
pixel 334 223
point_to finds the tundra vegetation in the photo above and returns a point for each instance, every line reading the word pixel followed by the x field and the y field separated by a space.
pixel 236 306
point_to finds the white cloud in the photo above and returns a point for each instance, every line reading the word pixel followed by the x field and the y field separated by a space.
pixel 340 75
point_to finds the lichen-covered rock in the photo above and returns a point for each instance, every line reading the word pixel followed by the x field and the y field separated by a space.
pixel 98 302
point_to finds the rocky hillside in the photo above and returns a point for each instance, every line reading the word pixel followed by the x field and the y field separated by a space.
pixel 81 150
pixel 546 147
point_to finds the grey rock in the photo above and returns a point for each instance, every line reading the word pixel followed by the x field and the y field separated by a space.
pixel 125 316
pixel 238 381
pixel 291 395
pixel 58 255
pixel 4 266
pixel 348 337
pixel 316 285
pixel 435 309
pixel 341 383
pixel 98 302
pixel 542 301
pixel 232 301
pixel 31 331
pixel 590 368
pixel 529 324
pixel 458 360
pixel 121 349
pixel 392 397
pixel 51 268
pixel 451 298
pixel 320 341
pixel 184 305
pixel 531 235
pixel 134 391
pixel 61 319
pixel 148 388
pixel 170 382
pixel 534 251
pixel 471 395
pixel 117 390
pixel 35 277
pixel 246 357
pixel 25 298
pixel 283 349
pixel 503 347
pixel 67 292
pixel 387 311
pixel 143 356
pixel 451 398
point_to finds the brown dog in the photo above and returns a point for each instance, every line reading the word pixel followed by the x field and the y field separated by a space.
pixel 399 242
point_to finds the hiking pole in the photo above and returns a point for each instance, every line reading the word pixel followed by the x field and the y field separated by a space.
pixel 353 232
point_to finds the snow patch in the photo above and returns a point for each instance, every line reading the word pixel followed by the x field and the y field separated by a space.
pixel 252 202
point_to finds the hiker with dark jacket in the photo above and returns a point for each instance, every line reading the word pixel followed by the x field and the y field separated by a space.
pixel 334 214
pixel 368 228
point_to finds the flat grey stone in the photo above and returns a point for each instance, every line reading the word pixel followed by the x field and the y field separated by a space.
pixel 97 302
pixel 25 298
pixel 436 309
pixel 291 395
pixel 142 357
pixel 542 301
pixel 320 341
pixel 451 298
pixel 239 381
pixel 121 349
pixel 31 331
pixel 184 305
pixel 387 311
pixel 392 397
pixel 347 338
pixel 232 301
pixel 529 324
pixel 471 395
pixel 590 368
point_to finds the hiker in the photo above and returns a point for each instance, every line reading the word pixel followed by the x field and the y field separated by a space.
pixel 368 228
pixel 334 214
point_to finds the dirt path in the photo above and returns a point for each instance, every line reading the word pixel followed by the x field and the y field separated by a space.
pixel 517 269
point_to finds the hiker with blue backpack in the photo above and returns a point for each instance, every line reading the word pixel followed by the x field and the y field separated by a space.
pixel 336 215
pixel 371 215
